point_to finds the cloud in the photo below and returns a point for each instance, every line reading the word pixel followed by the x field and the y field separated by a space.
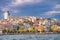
pixel 14 3
pixel 4 9
pixel 50 13
pixel 57 6
pixel 15 11
pixel 55 10
pixel 21 2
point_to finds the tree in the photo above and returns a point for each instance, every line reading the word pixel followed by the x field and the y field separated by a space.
pixel 54 28
pixel 4 30
pixel 40 28
pixel 30 22
pixel 31 29
pixel 50 30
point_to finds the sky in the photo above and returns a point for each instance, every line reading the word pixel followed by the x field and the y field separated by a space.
pixel 41 8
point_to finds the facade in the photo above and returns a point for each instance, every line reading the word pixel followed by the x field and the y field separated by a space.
pixel 37 22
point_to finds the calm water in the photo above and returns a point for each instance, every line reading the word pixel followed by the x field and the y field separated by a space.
pixel 31 37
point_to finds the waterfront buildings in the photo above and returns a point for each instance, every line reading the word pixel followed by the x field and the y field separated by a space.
pixel 15 22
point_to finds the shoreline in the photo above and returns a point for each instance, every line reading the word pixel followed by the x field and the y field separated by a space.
pixel 28 33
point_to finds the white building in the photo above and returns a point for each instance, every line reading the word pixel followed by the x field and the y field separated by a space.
pixel 33 18
pixel 6 14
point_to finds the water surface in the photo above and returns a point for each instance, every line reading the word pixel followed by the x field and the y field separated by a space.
pixel 31 37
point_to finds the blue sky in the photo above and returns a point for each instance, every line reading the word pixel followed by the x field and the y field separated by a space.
pixel 41 8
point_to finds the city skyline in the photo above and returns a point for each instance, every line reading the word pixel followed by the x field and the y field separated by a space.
pixel 41 8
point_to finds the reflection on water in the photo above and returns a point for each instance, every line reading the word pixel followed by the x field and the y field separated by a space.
pixel 31 37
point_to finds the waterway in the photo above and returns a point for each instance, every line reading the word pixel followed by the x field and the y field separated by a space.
pixel 31 37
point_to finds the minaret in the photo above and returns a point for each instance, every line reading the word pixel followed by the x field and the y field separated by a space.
pixel 6 15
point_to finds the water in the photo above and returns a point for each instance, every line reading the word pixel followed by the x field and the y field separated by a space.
pixel 31 37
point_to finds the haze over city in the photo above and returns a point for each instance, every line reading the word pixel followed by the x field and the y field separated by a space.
pixel 41 8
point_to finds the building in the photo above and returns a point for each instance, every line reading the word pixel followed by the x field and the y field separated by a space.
pixel 6 15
